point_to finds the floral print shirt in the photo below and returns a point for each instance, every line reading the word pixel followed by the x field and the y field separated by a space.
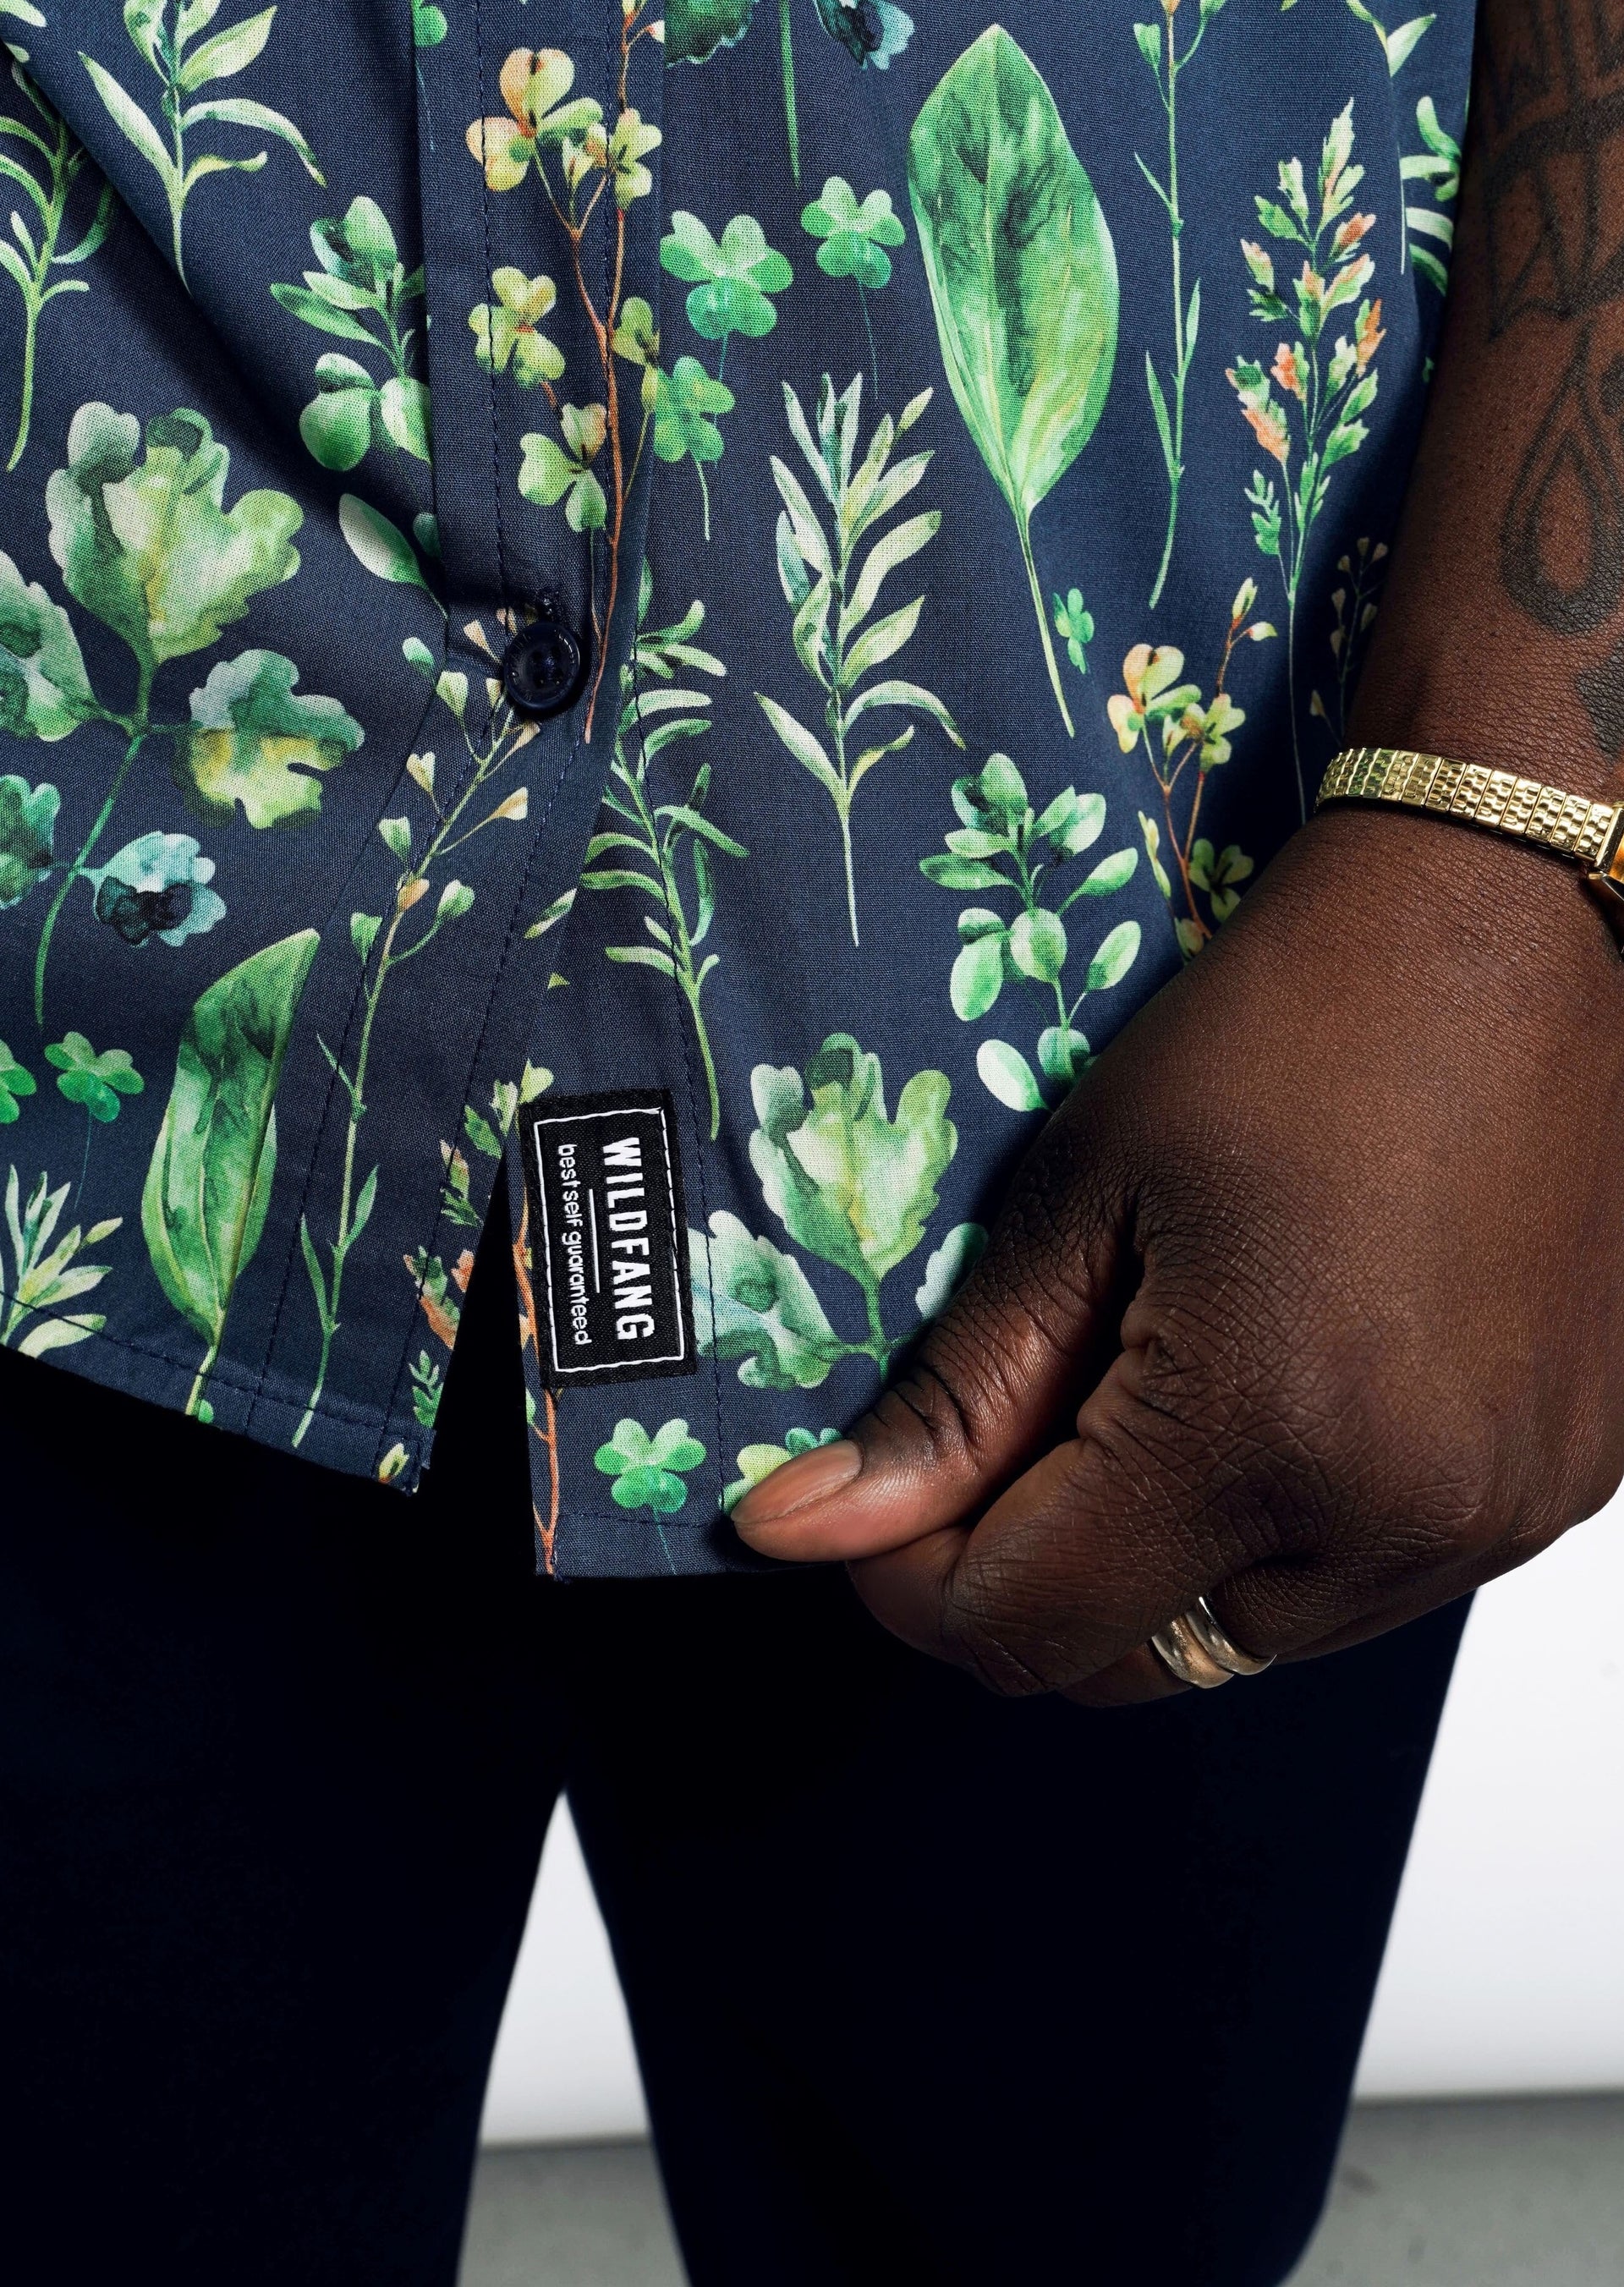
pixel 678 613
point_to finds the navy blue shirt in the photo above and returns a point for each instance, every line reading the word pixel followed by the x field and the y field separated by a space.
pixel 687 613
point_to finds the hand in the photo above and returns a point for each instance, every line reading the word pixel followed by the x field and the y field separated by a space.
pixel 1310 1300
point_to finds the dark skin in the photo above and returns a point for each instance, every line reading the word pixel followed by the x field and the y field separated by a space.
pixel 1337 1338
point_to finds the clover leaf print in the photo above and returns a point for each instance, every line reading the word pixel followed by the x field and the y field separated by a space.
pixel 429 24
pixel 551 472
pixel 1022 273
pixel 574 153
pixel 1003 844
pixel 648 1472
pixel 731 281
pixel 43 159
pixel 16 1082
pixel 756 1463
pixel 1074 626
pixel 831 594
pixel 181 69
pixel 507 332
pixel 854 238
pixel 687 401
pixel 98 1083
pixel 359 292
pixel 852 1187
pixel 46 1276
pixel 157 886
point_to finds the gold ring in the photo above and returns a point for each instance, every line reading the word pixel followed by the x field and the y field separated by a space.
pixel 1197 1650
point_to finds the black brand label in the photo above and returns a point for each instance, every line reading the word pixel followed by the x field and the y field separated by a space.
pixel 608 1242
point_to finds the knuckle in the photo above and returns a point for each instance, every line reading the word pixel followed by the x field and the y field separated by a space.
pixel 1002 1629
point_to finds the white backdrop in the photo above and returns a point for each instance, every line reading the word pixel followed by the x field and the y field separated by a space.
pixel 1506 1970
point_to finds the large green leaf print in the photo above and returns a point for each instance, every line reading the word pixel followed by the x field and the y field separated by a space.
pixel 1022 276
pixel 146 543
pixel 203 1204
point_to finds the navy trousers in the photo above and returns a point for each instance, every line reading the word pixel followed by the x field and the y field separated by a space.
pixel 927 1987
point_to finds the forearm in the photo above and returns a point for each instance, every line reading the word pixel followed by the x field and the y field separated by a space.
pixel 1501 635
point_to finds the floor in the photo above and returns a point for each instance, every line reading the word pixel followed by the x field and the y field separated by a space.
pixel 1508 2194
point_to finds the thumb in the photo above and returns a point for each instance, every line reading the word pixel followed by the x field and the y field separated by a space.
pixel 995 1382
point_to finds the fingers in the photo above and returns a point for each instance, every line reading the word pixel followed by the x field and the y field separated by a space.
pixel 994 1380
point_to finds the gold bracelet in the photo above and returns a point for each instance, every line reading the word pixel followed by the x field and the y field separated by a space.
pixel 1570 825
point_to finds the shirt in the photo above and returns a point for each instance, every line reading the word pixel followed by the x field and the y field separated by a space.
pixel 694 608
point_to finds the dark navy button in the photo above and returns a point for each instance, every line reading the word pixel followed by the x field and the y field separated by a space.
pixel 540 667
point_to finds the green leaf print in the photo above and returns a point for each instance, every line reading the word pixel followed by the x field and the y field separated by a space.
pixel 754 1302
pixel 1439 164
pixel 181 70
pixel 852 1186
pixel 1022 276
pixel 209 1183
pixel 44 691
pixel 28 829
pixel 46 1276
pixel 1160 47
pixel 253 743
pixel 359 292
pixel 1318 415
pixel 648 845
pixel 947 1268
pixel 1003 844
pixel 833 587
pixel 694 30
pixel 44 161
pixel 144 541
pixel 848 1184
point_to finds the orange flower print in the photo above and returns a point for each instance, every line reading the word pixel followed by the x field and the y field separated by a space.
pixel 1349 234
pixel 1288 376
pixel 1369 336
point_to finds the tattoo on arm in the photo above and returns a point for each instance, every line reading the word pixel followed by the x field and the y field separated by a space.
pixel 1550 92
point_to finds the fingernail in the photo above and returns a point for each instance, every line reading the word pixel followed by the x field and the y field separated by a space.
pixel 810 1477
